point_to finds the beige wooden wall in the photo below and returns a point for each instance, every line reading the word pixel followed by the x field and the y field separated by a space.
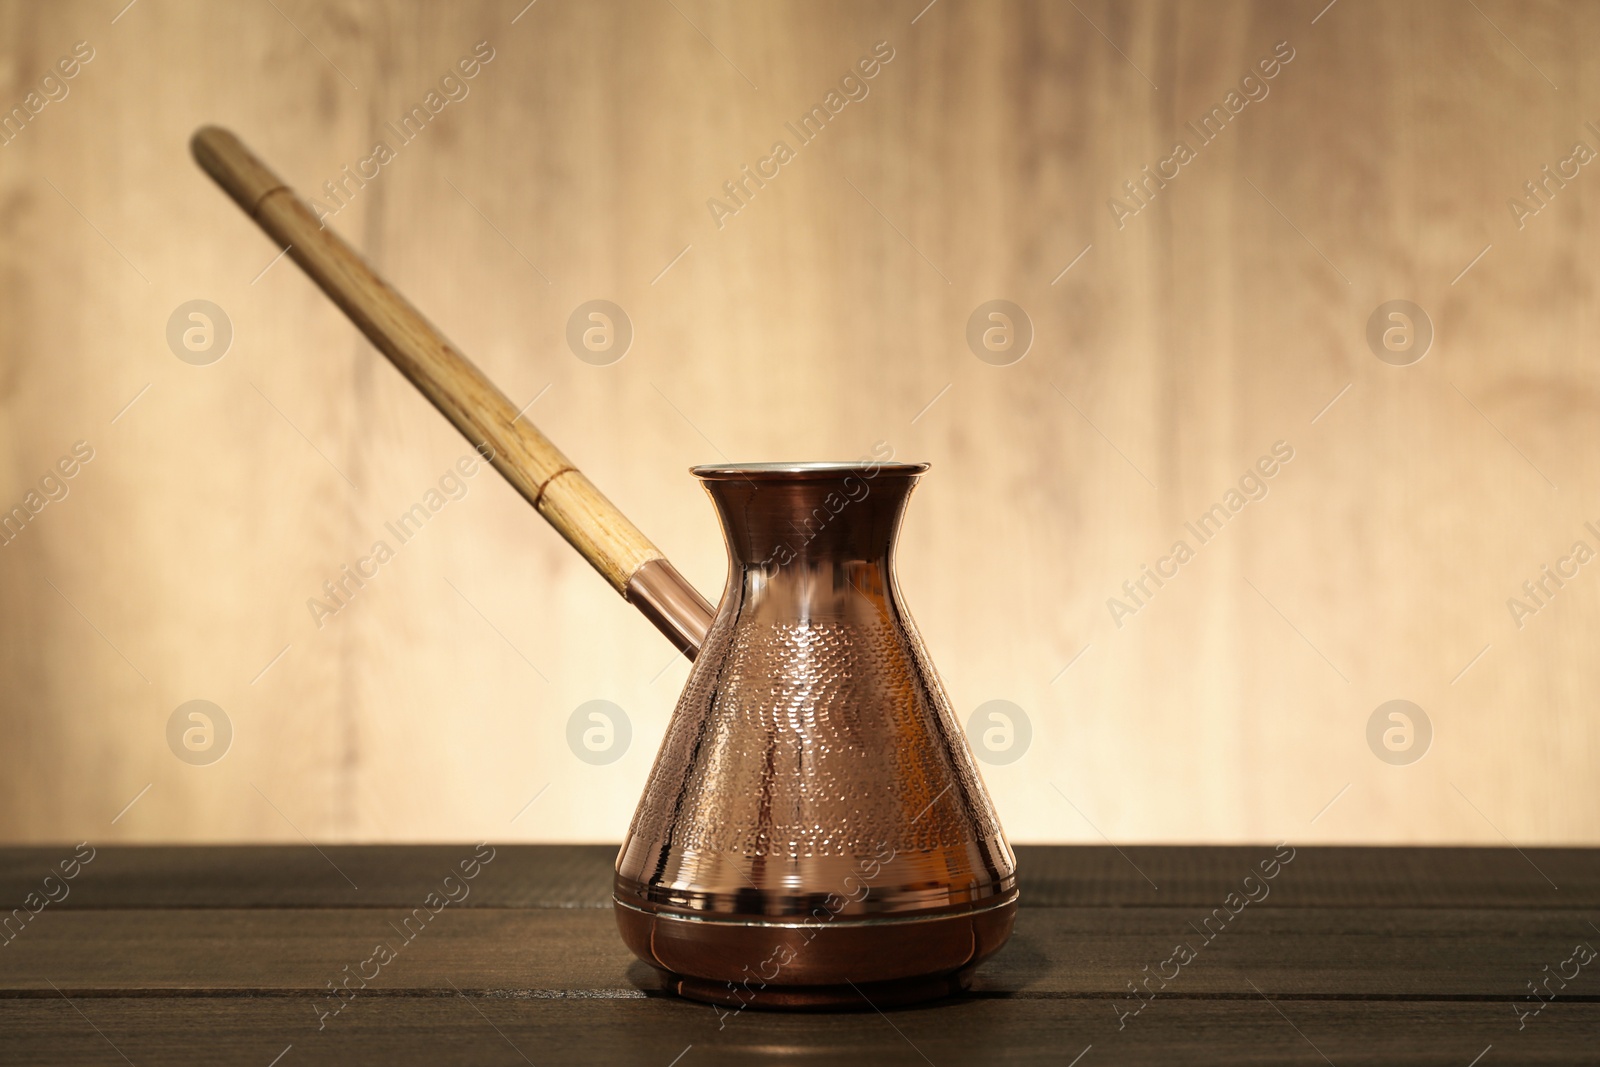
pixel 825 315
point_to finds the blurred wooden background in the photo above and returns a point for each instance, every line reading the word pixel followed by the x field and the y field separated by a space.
pixel 826 315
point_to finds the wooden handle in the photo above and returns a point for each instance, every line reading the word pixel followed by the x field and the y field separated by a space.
pixel 527 459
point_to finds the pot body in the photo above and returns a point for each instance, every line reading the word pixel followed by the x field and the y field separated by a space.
pixel 814 832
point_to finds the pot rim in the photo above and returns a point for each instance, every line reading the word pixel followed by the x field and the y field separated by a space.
pixel 805 470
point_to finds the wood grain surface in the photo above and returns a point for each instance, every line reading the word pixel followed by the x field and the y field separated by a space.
pixel 1172 347
pixel 222 955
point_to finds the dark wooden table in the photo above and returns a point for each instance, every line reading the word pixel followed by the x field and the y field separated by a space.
pixel 1352 956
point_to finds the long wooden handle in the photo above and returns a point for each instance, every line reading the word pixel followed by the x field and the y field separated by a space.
pixel 527 459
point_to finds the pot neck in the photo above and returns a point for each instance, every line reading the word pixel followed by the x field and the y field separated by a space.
pixel 788 520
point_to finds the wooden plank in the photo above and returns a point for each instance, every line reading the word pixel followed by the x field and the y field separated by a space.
pixel 277 876
pixel 580 876
pixel 1347 952
pixel 1366 877
pixel 1369 955
pixel 655 1032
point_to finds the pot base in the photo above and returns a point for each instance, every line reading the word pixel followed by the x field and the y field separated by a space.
pixel 815 966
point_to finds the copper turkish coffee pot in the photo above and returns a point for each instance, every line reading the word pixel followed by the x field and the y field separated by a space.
pixel 813 832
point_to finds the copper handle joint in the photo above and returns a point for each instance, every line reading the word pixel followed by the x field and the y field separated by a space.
pixel 666 598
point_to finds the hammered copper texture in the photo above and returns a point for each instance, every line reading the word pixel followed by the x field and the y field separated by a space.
pixel 813 752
